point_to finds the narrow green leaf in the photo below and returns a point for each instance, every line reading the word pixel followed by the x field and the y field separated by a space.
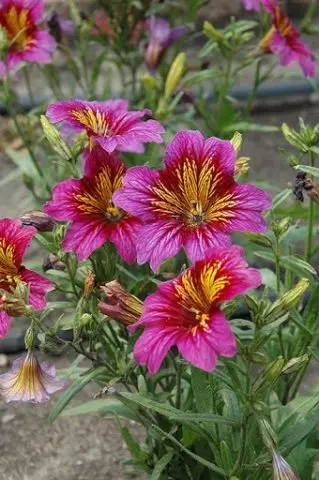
pixel 203 461
pixel 200 77
pixel 103 405
pixel 75 388
pixel 161 465
pixel 132 445
pixel 279 199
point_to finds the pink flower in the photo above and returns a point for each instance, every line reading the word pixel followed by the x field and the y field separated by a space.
pixel 161 37
pixel 194 202
pixel 185 312
pixel 282 470
pixel 14 241
pixel 251 5
pixel 283 39
pixel 88 204
pixel 29 381
pixel 109 123
pixel 28 43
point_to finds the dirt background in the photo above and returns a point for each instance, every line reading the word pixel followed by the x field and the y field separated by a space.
pixel 87 447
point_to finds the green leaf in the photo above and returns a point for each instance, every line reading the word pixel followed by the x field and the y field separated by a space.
pixel 23 160
pixel 134 448
pixel 202 390
pixel 103 405
pixel 250 127
pixel 297 265
pixel 311 170
pixel 201 77
pixel 75 388
pixel 295 434
pixel 203 461
pixel 175 414
pixel 161 465
pixel 279 199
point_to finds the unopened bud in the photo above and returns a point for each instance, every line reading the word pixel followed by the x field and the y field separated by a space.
pixel 295 364
pixel 175 74
pixel 270 374
pixel 288 300
pixel 22 291
pixel 89 284
pixel 79 144
pixel 293 138
pixel 292 160
pixel 55 139
pixel 14 307
pixel 212 33
pixel 259 239
pixel 268 434
pixel 149 81
pixel 280 228
pixel 29 338
pixel 237 141
pixel 258 357
pixel 52 262
pixel 242 165
pixel 38 219
pixel 85 319
pixel 252 303
pixel 121 306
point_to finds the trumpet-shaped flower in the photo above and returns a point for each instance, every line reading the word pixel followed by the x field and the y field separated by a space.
pixel 283 39
pixel 185 311
pixel 27 42
pixel 161 37
pixel 108 124
pixel 13 242
pixel 194 202
pixel 281 469
pixel 251 5
pixel 87 203
pixel 29 381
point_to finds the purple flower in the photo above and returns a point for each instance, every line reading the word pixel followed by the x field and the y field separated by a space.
pixel 29 381
pixel 109 123
pixel 161 37
pixel 87 202
pixel 251 5
pixel 28 43
pixel 283 40
pixel 185 311
pixel 193 202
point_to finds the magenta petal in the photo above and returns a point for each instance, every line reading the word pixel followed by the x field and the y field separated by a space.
pixel 251 5
pixel 158 241
pixel 123 235
pixel 220 336
pixel 159 28
pixel 5 323
pixel 134 196
pixel 39 286
pixel 185 144
pixel 116 105
pixel 269 5
pixel 63 206
pixel 152 346
pixel 222 153
pixel 250 202
pixel 198 242
pixel 84 238
pixel 197 351
pixel 176 33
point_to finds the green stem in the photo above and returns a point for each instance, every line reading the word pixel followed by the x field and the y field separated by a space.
pixel 12 114
pixel 308 250
pixel 252 96
pixel 28 84
pixel 277 269
pixel 178 384
pixel 71 276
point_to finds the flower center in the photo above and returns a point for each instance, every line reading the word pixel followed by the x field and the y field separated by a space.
pixel 9 275
pixel 96 121
pixel 18 28
pixel 96 194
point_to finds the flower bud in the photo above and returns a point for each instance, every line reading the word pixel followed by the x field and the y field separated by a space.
pixel 259 239
pixel 89 284
pixel 212 33
pixel 14 307
pixel 237 141
pixel 281 469
pixel 121 306
pixel 55 139
pixel 22 292
pixel 175 74
pixel 29 338
pixel 270 374
pixel 38 219
pixel 294 364
pixel 79 144
pixel 268 434
pixel 280 228
pixel 242 165
pixel 52 262
pixel 294 138
pixel 288 300
pixel 149 82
